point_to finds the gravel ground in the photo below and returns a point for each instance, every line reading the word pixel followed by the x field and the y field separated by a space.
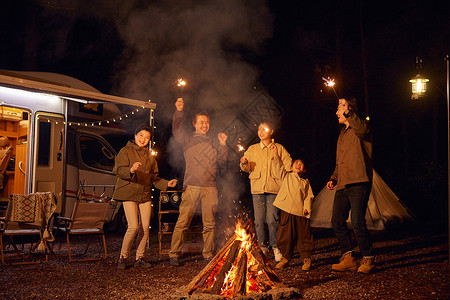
pixel 411 263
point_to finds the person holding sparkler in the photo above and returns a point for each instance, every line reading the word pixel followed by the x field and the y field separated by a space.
pixel 137 171
pixel 202 156
pixel 264 184
pixel 352 179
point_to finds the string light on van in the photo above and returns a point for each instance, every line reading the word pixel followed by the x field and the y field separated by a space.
pixel 109 121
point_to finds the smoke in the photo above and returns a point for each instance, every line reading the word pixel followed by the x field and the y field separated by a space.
pixel 200 41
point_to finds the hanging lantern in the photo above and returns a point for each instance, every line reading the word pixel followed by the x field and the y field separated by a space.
pixel 418 83
pixel 418 86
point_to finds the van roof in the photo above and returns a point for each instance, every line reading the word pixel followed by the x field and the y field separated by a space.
pixel 64 86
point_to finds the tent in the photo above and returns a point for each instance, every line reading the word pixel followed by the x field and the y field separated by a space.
pixel 384 207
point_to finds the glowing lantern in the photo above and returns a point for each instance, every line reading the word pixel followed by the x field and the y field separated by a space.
pixel 419 86
pixel 418 83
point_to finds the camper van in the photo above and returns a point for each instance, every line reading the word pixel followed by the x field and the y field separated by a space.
pixel 56 134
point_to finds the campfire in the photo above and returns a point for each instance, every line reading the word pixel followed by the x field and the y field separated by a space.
pixel 239 268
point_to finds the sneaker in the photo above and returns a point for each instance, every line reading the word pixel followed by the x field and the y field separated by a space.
pixel 121 264
pixel 140 263
pixel 346 262
pixel 306 264
pixel 367 265
pixel 284 263
pixel 277 254
pixel 174 262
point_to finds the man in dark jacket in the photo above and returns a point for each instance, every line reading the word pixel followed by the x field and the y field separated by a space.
pixel 352 179
pixel 199 185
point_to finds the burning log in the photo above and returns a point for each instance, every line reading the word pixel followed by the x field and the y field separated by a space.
pixel 235 248
pixel 240 282
pixel 239 268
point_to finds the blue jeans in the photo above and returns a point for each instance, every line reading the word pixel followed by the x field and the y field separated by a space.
pixel 265 213
pixel 353 197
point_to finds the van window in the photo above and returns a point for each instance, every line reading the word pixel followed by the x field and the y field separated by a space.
pixel 96 154
pixel 44 143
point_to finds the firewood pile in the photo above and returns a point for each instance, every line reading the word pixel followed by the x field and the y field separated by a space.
pixel 239 268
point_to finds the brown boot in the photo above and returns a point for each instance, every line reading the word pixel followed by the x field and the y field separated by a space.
pixel 306 264
pixel 346 263
pixel 367 265
pixel 284 263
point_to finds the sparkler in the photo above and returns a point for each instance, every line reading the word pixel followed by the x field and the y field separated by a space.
pixel 153 152
pixel 330 83
pixel 181 83
pixel 239 146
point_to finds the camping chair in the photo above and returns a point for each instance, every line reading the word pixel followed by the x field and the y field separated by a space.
pixel 5 155
pixel 29 216
pixel 87 218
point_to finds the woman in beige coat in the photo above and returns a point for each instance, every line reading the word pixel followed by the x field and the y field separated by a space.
pixel 137 171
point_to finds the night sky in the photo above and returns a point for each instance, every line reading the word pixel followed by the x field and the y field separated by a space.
pixel 225 47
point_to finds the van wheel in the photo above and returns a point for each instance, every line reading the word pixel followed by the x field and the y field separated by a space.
pixel 121 221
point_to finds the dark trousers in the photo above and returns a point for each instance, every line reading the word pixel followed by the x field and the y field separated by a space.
pixel 294 231
pixel 353 197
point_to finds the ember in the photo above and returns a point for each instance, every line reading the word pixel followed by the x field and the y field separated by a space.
pixel 239 268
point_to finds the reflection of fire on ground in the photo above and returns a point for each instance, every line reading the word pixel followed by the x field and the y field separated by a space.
pixel 239 268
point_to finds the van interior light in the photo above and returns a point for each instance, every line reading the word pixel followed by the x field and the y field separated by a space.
pixel 83 101
pixel 27 94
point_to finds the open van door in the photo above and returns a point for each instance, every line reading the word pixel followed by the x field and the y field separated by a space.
pixel 48 170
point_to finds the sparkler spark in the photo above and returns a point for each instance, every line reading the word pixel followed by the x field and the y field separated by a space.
pixel 181 82
pixel 153 152
pixel 330 83
pixel 239 145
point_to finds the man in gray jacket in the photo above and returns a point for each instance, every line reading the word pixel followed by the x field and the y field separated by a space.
pixel 203 156
pixel 352 179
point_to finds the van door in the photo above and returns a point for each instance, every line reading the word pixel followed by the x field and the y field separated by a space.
pixel 48 170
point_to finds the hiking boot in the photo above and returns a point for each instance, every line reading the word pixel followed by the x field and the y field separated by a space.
pixel 284 263
pixel 140 263
pixel 174 262
pixel 306 264
pixel 121 264
pixel 367 265
pixel 277 254
pixel 346 262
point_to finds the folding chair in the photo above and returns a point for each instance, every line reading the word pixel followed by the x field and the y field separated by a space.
pixel 28 216
pixel 87 218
